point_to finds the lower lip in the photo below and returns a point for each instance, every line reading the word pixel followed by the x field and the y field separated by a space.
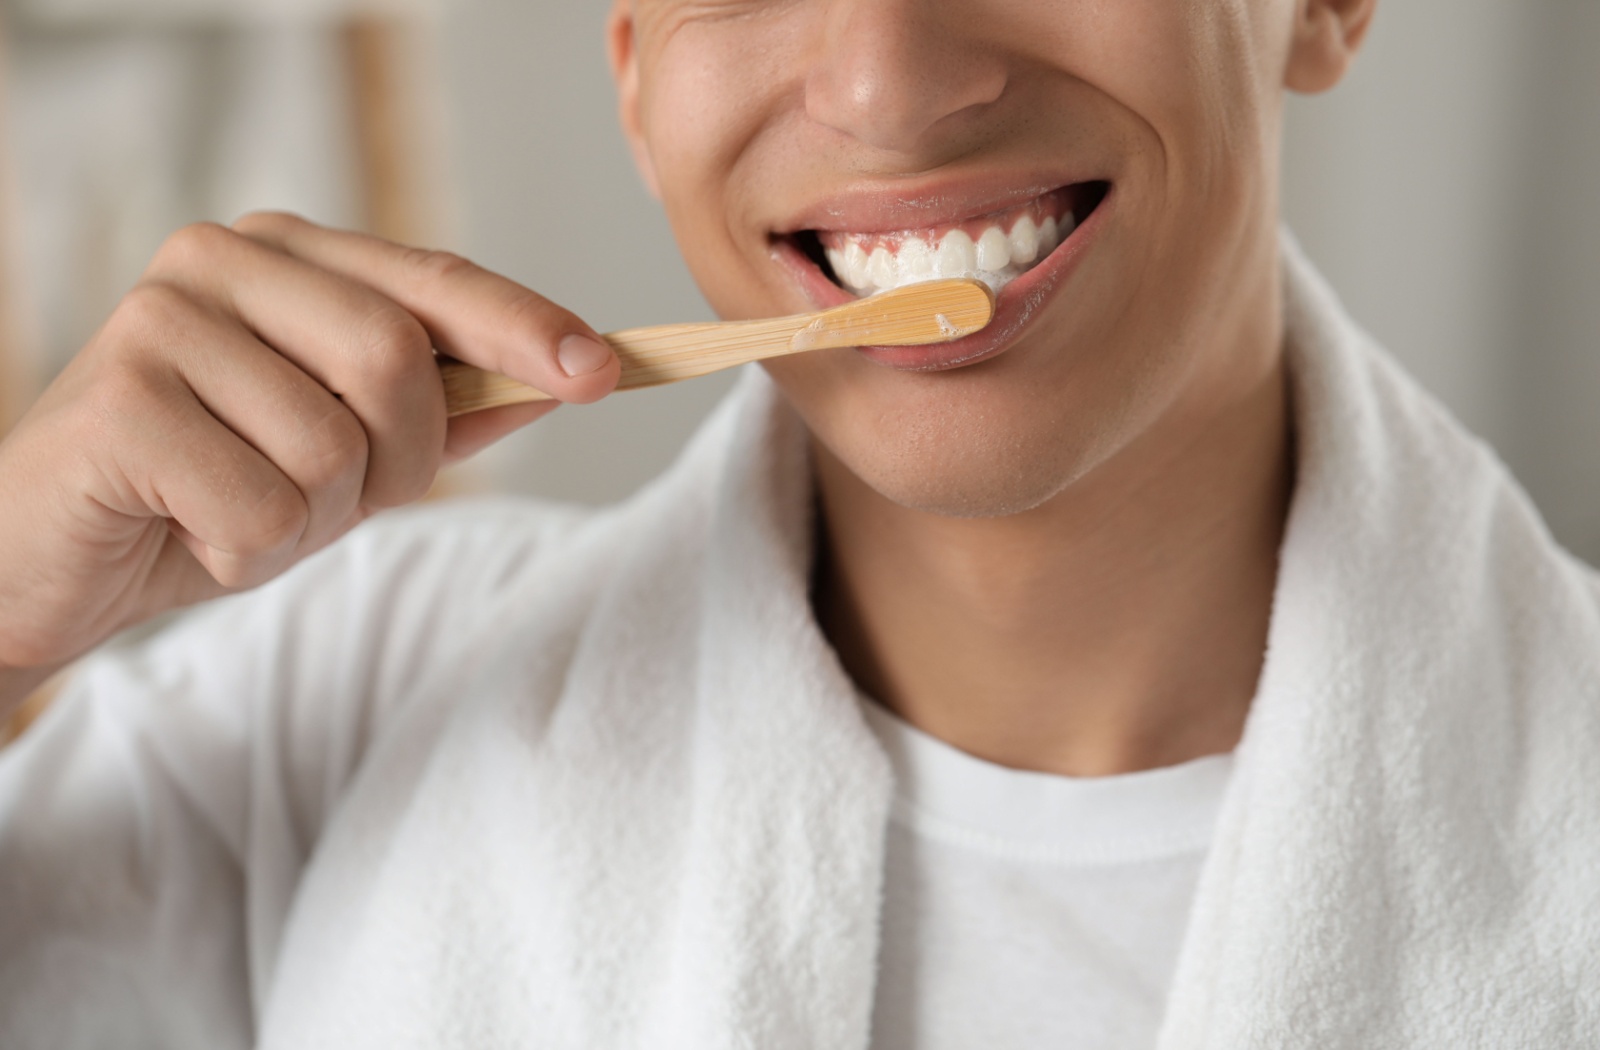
pixel 1017 305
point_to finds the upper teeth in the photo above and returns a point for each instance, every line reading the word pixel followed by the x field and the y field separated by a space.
pixel 996 257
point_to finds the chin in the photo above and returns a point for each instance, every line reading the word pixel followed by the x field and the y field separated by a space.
pixel 950 455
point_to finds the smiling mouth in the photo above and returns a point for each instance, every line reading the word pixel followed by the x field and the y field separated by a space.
pixel 995 248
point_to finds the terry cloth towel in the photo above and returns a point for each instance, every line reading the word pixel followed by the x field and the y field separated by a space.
pixel 499 776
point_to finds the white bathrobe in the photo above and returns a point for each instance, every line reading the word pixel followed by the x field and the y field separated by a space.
pixel 500 775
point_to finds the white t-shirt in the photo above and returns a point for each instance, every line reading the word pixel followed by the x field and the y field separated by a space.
pixel 1025 910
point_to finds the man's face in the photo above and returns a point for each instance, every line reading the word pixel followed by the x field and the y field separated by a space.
pixel 808 151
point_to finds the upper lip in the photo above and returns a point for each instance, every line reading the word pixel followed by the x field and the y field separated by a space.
pixel 922 203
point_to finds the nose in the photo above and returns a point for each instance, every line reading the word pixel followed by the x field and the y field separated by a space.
pixel 901 76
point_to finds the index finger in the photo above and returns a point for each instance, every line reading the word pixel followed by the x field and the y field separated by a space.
pixel 472 314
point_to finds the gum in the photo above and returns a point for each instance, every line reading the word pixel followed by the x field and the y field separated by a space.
pixel 1056 205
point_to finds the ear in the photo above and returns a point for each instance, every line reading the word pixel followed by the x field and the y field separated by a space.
pixel 1327 35
pixel 624 55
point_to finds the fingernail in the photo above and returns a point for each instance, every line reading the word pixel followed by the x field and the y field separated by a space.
pixel 579 355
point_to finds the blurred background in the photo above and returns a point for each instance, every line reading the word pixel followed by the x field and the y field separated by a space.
pixel 1446 189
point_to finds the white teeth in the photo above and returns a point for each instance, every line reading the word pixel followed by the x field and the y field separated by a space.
pixel 882 269
pixel 994 250
pixel 835 259
pixel 957 254
pixel 855 266
pixel 916 260
pixel 1024 241
pixel 1048 235
pixel 850 265
pixel 996 258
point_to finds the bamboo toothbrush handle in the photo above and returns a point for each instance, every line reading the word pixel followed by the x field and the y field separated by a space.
pixel 650 357
pixel 937 311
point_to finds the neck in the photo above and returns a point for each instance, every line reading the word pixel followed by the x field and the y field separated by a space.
pixel 1119 627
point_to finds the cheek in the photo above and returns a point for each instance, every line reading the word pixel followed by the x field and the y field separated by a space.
pixel 710 116
pixel 692 132
pixel 1201 79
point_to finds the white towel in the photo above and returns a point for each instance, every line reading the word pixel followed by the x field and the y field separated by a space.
pixel 1410 855
pixel 497 776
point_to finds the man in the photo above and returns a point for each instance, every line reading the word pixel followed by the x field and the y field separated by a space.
pixel 1157 667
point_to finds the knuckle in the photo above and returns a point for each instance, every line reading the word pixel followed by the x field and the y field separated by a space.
pixel 193 247
pixel 411 487
pixel 404 476
pixel 429 265
pixel 126 360
pixel 152 308
pixel 398 483
pixel 268 223
pixel 534 318
pixel 278 517
pixel 335 450
pixel 239 572
pixel 393 345
pixel 128 396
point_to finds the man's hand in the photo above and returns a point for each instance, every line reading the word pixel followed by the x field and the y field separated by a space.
pixel 261 391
